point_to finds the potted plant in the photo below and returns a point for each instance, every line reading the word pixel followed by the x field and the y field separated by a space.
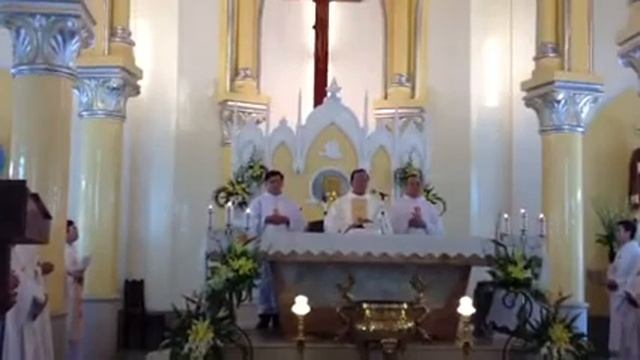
pixel 609 219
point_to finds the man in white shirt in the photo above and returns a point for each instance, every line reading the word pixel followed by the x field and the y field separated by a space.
pixel 272 211
pixel 413 214
pixel 621 274
pixel 75 267
pixel 357 210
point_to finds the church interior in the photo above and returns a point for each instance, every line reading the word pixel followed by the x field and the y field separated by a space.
pixel 151 124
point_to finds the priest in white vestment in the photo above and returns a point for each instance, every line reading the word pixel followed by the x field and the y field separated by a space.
pixel 357 211
pixel 28 324
pixel 75 267
pixel 272 211
pixel 413 214
pixel 620 275
pixel 630 338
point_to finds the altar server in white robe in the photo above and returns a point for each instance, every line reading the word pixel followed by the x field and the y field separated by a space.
pixel 75 267
pixel 358 211
pixel 272 211
pixel 413 214
pixel 621 273
pixel 630 337
pixel 28 324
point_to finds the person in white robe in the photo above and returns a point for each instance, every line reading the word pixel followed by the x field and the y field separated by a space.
pixel 272 211
pixel 28 324
pixel 358 211
pixel 630 335
pixel 75 267
pixel 413 214
pixel 620 275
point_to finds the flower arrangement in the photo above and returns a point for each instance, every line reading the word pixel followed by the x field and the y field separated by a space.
pixel 208 322
pixel 515 271
pixel 402 173
pixel 608 221
pixel 554 335
pixel 246 180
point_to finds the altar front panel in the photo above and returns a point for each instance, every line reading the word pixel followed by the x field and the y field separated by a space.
pixel 382 268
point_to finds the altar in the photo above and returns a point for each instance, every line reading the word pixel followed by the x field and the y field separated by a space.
pixel 326 268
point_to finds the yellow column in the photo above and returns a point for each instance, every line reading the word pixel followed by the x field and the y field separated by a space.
pixel 401 16
pixel 103 94
pixel 6 100
pixel 47 37
pixel 105 84
pixel 563 92
pixel 238 95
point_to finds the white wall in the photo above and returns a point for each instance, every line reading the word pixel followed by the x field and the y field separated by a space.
pixel 153 125
pixel 449 108
pixel 287 51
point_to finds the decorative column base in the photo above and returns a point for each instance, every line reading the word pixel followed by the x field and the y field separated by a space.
pixel 580 309
pixel 238 113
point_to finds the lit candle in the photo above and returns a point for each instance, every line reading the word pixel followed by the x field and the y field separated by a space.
pixel 506 226
pixel 543 225
pixel 247 219
pixel 210 215
pixel 228 213
pixel 524 218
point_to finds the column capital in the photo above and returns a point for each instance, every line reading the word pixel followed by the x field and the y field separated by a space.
pixel 103 91
pixel 564 106
pixel 235 113
pixel 47 36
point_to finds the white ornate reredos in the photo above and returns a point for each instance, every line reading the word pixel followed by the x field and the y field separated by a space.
pixel 402 145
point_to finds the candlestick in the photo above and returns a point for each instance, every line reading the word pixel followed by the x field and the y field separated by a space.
pixel 210 211
pixel 228 213
pixel 247 219
pixel 524 219
pixel 506 226
pixel 543 225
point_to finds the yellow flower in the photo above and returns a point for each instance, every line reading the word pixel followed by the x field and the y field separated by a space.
pixel 200 339
pixel 560 335
pixel 517 271
pixel 242 266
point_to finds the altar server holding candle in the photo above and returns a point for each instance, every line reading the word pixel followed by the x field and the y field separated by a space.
pixel 413 214
pixel 271 211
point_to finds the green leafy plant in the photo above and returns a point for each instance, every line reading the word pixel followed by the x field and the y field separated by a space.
pixel 402 173
pixel 208 322
pixel 609 219
pixel 515 271
pixel 555 336
pixel 246 181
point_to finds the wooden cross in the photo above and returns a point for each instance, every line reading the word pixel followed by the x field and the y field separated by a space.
pixel 321 54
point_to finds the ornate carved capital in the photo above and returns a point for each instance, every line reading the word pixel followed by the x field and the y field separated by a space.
pixel 103 91
pixel 563 106
pixel 405 115
pixel 47 35
pixel 121 35
pixel 629 53
pixel 236 114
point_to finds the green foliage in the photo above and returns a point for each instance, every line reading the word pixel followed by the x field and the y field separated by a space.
pixel 608 219
pixel 246 180
pixel 515 271
pixel 554 335
pixel 207 322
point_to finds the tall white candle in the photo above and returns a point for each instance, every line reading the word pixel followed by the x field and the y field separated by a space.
pixel 247 218
pixel 524 220
pixel 228 213
pixel 543 225
pixel 210 211
pixel 506 226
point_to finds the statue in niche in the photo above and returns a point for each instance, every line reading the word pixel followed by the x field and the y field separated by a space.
pixel 634 182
